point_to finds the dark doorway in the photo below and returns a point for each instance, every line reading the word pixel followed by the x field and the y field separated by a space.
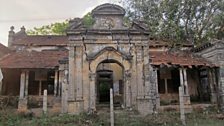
pixel 105 82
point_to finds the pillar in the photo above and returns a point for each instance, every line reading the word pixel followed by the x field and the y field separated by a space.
pixel 127 89
pixel 92 91
pixel 166 86
pixel 64 91
pixel 27 84
pixel 63 75
pixel 71 88
pixel 139 71
pixel 221 88
pixel 185 81
pixel 23 97
pixel 0 87
pixel 146 74
pixel 184 85
pixel 154 93
pixel 155 73
pixel 78 72
pixel 215 86
pixel 181 77
pixel 212 81
pixel 40 87
pixel 45 102
pixel 55 83
pixel 22 84
pixel 1 77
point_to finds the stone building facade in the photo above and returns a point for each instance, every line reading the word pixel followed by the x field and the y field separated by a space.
pixel 214 52
pixel 79 68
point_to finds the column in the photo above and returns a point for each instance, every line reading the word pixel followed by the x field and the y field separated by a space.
pixel 215 86
pixel 78 72
pixel 211 85
pixel 139 69
pixel 1 77
pixel 55 83
pixel 127 88
pixel 71 88
pixel 185 81
pixel 24 81
pixel 146 73
pixel 27 84
pixel 221 88
pixel 92 92
pixel 22 84
pixel 0 87
pixel 154 92
pixel 64 90
pixel 23 97
pixel 155 73
pixel 40 87
pixel 166 86
pixel 181 77
pixel 184 85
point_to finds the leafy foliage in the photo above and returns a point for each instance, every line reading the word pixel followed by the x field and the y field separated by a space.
pixel 57 28
pixel 180 20
pixel 88 20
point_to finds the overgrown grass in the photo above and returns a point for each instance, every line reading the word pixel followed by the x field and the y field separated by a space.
pixel 122 118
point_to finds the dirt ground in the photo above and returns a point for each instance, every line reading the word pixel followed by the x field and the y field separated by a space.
pixel 206 117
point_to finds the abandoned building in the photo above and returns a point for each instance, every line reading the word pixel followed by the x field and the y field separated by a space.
pixel 79 68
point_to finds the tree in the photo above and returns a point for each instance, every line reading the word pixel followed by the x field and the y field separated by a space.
pixel 180 20
pixel 88 20
pixel 59 28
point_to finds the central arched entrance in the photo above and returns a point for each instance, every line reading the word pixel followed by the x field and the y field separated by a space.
pixel 109 74
pixel 110 68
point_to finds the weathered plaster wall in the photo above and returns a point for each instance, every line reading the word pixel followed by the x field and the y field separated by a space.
pixel 193 82
pixel 11 81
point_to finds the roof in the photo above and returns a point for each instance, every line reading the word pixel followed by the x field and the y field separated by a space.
pixel 41 40
pixel 207 45
pixel 25 59
pixel 4 49
pixel 179 59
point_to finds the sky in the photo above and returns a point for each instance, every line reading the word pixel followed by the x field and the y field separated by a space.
pixel 35 13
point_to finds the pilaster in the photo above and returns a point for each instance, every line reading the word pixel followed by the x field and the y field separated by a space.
pixel 79 72
pixel 92 90
pixel 71 86
pixel 128 89
pixel 139 71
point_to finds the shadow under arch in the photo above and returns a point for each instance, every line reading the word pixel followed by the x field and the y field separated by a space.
pixel 110 55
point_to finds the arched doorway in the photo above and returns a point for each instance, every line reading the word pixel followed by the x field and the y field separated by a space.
pixel 110 55
pixel 109 74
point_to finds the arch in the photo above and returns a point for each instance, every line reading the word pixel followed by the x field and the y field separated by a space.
pixel 109 55
pixel 108 9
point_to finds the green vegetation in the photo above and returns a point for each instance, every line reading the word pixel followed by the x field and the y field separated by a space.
pixel 88 20
pixel 180 20
pixel 208 117
pixel 59 28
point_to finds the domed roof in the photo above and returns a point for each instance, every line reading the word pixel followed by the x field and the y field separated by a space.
pixel 108 9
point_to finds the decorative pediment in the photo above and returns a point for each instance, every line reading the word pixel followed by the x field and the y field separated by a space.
pixel 108 9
